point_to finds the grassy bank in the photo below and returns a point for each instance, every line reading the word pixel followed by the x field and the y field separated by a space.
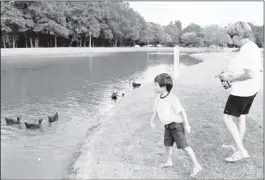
pixel 129 148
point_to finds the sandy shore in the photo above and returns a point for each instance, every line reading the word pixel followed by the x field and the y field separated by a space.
pixel 72 51
pixel 129 148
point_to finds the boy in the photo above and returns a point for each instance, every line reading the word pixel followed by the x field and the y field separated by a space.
pixel 173 116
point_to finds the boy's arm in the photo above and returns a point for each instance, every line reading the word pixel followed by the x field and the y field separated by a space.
pixel 185 121
pixel 184 117
pixel 154 112
pixel 153 115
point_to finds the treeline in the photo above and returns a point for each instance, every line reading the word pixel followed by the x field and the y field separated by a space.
pixel 112 24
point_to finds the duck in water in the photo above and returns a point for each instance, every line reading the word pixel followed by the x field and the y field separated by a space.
pixel 32 125
pixel 53 118
pixel 11 121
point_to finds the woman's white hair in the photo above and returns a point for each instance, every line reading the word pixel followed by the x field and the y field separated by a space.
pixel 240 28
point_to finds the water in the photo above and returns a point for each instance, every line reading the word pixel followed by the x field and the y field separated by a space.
pixel 79 89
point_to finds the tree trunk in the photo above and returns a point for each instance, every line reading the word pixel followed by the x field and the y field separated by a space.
pixel 31 42
pixel 14 43
pixel 55 41
pixel 26 40
pixel 116 42
pixel 4 42
pixel 62 45
pixel 80 42
pixel 37 42
pixel 70 44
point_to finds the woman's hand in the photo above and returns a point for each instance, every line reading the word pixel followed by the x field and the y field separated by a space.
pixel 226 76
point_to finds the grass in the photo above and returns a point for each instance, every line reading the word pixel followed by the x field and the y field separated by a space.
pixel 126 146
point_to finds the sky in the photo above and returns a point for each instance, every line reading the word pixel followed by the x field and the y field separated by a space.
pixel 202 13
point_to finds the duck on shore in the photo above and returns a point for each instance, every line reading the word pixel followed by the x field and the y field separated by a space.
pixel 136 85
pixel 114 96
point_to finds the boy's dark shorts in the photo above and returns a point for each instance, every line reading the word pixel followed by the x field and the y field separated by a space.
pixel 175 132
pixel 237 105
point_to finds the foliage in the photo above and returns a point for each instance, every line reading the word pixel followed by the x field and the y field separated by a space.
pixel 52 24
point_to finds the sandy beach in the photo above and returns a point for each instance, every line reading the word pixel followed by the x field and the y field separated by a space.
pixel 131 149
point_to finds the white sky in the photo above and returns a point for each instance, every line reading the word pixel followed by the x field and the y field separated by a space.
pixel 202 13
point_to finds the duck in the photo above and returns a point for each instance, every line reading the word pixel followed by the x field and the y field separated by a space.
pixel 53 118
pixel 114 96
pixel 13 121
pixel 33 126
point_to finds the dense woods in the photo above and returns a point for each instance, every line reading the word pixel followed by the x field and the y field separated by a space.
pixel 109 24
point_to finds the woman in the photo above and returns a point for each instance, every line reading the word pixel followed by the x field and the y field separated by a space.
pixel 244 75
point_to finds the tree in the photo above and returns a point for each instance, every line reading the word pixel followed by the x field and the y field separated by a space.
pixel 215 35
pixel 192 28
pixel 173 31
pixel 146 35
pixel 158 33
pixel 52 24
pixel 53 21
pixel 178 24
pixel 190 39
pixel 190 35
pixel 5 29
pixel 166 39
pixel 11 21
pixel 257 34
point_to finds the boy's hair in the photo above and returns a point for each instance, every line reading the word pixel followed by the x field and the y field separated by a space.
pixel 164 79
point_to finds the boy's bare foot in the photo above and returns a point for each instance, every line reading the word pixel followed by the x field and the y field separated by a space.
pixel 195 171
pixel 166 164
